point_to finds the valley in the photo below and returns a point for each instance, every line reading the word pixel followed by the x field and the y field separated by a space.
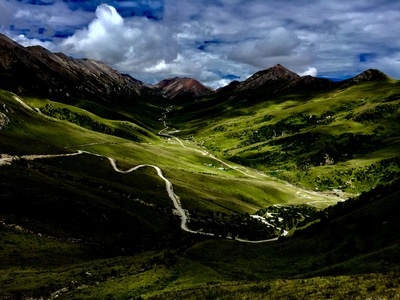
pixel 178 209
pixel 280 186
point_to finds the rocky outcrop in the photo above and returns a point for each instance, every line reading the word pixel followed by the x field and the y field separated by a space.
pixel 4 120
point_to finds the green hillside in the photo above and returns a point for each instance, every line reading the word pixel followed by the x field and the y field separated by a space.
pixel 345 138
pixel 75 226
pixel 44 192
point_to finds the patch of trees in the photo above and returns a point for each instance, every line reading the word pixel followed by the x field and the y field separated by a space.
pixel 365 177
pixel 313 149
pixel 289 216
pixel 230 225
pixel 362 200
pixel 291 125
pixel 340 148
pixel 379 112
pixel 364 224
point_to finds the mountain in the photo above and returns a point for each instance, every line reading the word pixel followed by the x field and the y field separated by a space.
pixel 90 84
pixel 271 81
pixel 37 71
pixel 182 89
pixel 277 76
pixel 279 80
pixel 367 75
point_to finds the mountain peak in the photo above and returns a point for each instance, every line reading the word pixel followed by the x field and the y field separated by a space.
pixel 179 88
pixel 273 76
pixel 278 72
pixel 370 75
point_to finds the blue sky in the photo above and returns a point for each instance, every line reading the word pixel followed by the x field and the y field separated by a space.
pixel 214 41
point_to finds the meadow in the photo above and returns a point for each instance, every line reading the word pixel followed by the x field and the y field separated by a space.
pixel 73 228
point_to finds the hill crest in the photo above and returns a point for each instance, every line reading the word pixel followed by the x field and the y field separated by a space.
pixel 368 75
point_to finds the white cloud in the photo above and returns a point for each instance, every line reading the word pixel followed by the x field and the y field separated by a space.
pixel 310 71
pixel 129 45
pixel 277 43
pixel 24 41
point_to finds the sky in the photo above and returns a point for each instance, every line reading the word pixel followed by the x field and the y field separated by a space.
pixel 216 41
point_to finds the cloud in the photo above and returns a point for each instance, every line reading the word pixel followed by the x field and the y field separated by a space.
pixel 129 45
pixel 277 43
pixel 310 71
pixel 24 41
pixel 40 19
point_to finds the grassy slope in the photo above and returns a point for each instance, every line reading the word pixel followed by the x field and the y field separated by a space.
pixel 86 119
pixel 330 260
pixel 203 271
pixel 189 171
pixel 351 254
pixel 323 141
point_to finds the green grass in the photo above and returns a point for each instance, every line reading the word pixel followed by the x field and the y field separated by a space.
pixel 375 286
pixel 127 244
pixel 122 128
pixel 294 135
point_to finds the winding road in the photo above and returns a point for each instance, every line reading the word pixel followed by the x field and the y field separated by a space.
pixel 6 159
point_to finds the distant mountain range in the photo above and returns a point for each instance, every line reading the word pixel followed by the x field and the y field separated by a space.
pixel 35 70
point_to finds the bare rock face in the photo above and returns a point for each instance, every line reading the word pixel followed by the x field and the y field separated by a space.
pixel 35 70
pixel 4 119
pixel 182 88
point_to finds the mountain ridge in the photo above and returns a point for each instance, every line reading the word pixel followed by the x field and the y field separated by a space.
pixel 40 70
pixel 37 70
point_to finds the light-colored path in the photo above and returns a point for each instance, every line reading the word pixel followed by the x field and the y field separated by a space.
pixel 7 159
pixel 168 133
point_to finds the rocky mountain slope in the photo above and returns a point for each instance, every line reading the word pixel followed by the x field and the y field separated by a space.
pixel 37 71
pixel 367 75
pixel 275 75
pixel 182 89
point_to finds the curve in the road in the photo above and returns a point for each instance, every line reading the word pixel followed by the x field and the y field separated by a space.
pixel 168 186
